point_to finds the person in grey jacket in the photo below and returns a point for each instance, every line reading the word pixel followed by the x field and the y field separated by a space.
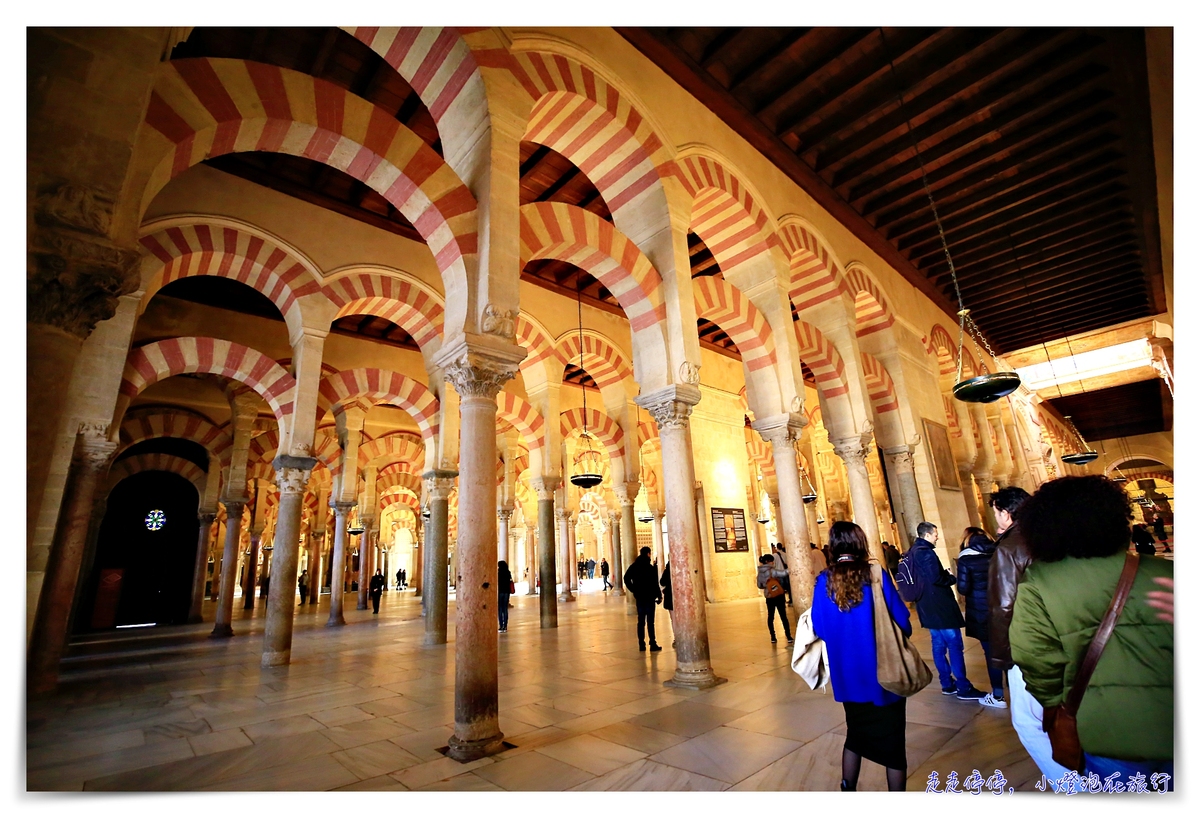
pixel 767 571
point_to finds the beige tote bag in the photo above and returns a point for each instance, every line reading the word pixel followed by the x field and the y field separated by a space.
pixel 898 666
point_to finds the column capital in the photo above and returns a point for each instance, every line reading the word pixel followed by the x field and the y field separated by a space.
pixel 342 508
pixel 545 486
pixel 671 405
pixel 439 483
pixel 478 366
pixel 901 456
pixel 206 517
pixel 94 450
pixel 781 429
pixel 626 493
pixel 852 450
pixel 504 514
pixel 292 473
pixel 234 506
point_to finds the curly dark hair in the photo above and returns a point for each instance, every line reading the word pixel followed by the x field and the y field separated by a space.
pixel 1081 517
pixel 849 568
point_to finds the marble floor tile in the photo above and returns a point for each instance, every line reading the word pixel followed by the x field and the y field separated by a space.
pixel 798 721
pixel 342 715
pixel 365 732
pixel 430 772
pixel 71 773
pixel 591 754
pixel 376 759
pixel 381 783
pixel 637 737
pixel 726 754
pixel 533 771
pixel 289 726
pixel 218 742
pixel 318 773
pixel 815 766
pixel 649 776
pixel 686 718
pixel 466 782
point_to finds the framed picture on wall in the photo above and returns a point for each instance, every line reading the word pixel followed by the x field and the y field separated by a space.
pixel 729 530
pixel 937 441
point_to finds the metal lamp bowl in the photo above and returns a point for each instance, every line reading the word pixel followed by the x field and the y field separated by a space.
pixel 1080 458
pixel 986 388
pixel 810 498
pixel 586 480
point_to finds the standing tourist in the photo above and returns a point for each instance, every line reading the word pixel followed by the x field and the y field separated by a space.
pixel 843 615
pixel 504 587
pixel 642 581
pixel 668 601
pixel 302 582
pixel 376 588
pixel 770 580
pixel 604 573
pixel 973 563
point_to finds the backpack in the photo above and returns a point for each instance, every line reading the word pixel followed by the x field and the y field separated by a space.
pixel 773 588
pixel 906 580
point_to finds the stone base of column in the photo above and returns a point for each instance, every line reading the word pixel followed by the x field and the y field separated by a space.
pixel 566 596
pixel 221 632
pixel 275 658
pixel 433 639
pixel 335 622
pixel 462 750
pixel 362 606
pixel 694 680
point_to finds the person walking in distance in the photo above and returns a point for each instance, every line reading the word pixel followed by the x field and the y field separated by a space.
pixel 770 579
pixel 1160 531
pixel 302 582
pixel 399 578
pixel 780 555
pixel 604 574
pixel 642 581
pixel 973 563
pixel 843 615
pixel 923 579
pixel 376 588
pixel 591 568
pixel 1005 572
pixel 504 587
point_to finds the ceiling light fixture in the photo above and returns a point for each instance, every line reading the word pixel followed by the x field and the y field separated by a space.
pixel 587 474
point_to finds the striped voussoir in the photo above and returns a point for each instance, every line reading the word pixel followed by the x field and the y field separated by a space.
pixel 264 446
pixel 156 423
pixel 522 417
pixel 157 461
pixel 604 428
pixel 381 386
pixel 398 479
pixel 153 362
pixel 327 451
pixel 880 388
pixel 260 470
pixel 396 447
pixel 760 452
pixel 582 116
pixel 414 308
pixel 720 302
pixel 647 432
pixel 603 361
pixel 535 339
pixel 206 107
pixel 945 346
pixel 215 250
pixel 815 276
pixel 407 500
pixel 572 234
pixel 951 417
pixel 725 214
pixel 871 310
pixel 823 359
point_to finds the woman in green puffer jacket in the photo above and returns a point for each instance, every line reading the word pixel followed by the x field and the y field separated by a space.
pixel 1078 531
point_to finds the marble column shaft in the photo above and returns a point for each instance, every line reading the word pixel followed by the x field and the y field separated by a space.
pixel 251 571
pixel 316 571
pixel 564 556
pixel 223 621
pixel 436 599
pixel 614 563
pixel 292 477
pixel 629 547
pixel 656 535
pixel 900 463
pixel 531 559
pixel 502 517
pixel 48 639
pixel 792 521
pixel 337 578
pixel 201 567
pixel 365 549
pixel 548 596
pixel 853 451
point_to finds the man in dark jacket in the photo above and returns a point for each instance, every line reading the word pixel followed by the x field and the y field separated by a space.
pixel 923 579
pixel 1007 568
pixel 642 581
pixel 604 574
pixel 376 588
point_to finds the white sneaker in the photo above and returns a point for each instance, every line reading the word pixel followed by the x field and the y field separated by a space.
pixel 991 701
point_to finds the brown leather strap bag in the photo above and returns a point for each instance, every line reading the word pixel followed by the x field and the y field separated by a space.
pixel 1059 721
pixel 899 667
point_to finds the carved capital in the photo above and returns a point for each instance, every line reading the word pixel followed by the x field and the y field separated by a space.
pixel 292 481
pixel 94 450
pixel 670 406
pixel 546 486
pixel 901 457
pixel 852 450
pixel 504 514
pixel 626 493
pixel 478 378
pixel 342 510
pixel 498 322
pixel 233 509
pixel 206 517
pixel 439 483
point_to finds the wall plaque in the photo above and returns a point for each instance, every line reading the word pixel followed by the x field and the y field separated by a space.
pixel 729 530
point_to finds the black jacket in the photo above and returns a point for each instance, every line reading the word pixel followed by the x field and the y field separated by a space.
pixel 665 582
pixel 604 568
pixel 377 583
pixel 642 580
pixel 503 578
pixel 973 565
pixel 929 585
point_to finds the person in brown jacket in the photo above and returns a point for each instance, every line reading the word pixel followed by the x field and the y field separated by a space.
pixel 1007 567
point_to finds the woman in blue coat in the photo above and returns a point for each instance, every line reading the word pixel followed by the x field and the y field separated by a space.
pixel 843 615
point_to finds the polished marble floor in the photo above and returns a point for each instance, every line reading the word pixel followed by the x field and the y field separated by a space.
pixel 366 707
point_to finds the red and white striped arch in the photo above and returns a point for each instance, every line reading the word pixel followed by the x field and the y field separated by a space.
pixel 872 313
pixel 761 454
pixel 524 418
pixel 823 359
pixel 265 446
pixel 816 276
pixel 572 234
pixel 395 468
pixel 647 431
pixel 601 358
pixel 227 251
pixel 203 107
pixel 406 303
pixel 326 449
pixel 542 354
pixel 946 347
pixel 396 447
pixel 880 387
pixel 398 479
pixel 146 365
pixel 587 119
pixel 599 424
pixel 156 423
pixel 726 306
pixel 735 228
pixel 380 386
pixel 157 461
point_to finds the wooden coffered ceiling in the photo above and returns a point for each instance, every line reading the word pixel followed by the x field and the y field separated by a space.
pixel 1036 143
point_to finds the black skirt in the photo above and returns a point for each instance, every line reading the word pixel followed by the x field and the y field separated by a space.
pixel 877 733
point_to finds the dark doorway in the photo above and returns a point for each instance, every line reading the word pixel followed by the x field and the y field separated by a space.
pixel 154 553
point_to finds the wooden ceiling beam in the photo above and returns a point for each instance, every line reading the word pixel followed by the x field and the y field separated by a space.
pixel 1110 261
pixel 1025 335
pixel 791 37
pixel 1045 257
pixel 793 85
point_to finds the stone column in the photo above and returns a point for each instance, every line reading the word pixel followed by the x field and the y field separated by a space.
pixel 573 551
pixel 986 482
pixel 292 475
pixel 782 433
pixel 853 451
pixel 223 621
pixel 503 515
pixel 626 495
pixel 198 575
pixel 438 484
pixel 477 378
pixel 900 463
pixel 366 549
pixel 218 564
pixel 530 559
pixel 416 580
pixel 337 577
pixel 545 488
pixel 670 408
pixel 251 578
pixel 316 570
pixel 49 636
pixel 564 555
pixel 656 534
pixel 617 570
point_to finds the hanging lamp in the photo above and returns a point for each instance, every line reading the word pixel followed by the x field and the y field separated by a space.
pixel 642 504
pixel 990 386
pixel 1085 455
pixel 587 463
pixel 809 496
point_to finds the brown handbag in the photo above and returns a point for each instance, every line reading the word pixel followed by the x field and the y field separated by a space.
pixel 898 665
pixel 1059 721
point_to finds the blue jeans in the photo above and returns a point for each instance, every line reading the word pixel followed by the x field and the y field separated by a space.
pixel 949 640
pixel 996 677
pixel 502 610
